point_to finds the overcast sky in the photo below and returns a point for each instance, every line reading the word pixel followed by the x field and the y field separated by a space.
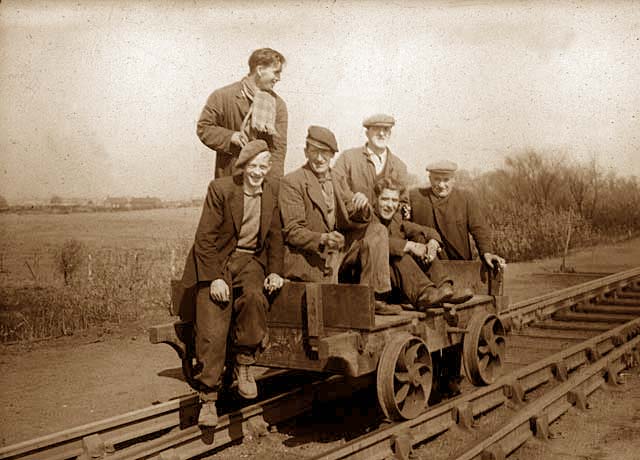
pixel 102 98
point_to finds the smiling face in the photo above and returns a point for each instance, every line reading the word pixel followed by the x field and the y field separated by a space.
pixel 388 203
pixel 319 159
pixel 441 184
pixel 256 170
pixel 268 76
pixel 378 136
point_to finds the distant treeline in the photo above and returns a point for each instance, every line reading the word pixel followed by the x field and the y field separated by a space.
pixel 540 204
pixel 59 206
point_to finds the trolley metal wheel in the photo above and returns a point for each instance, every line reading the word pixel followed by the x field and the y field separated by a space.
pixel 484 348
pixel 404 377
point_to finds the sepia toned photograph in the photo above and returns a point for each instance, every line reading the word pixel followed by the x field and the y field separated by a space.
pixel 319 229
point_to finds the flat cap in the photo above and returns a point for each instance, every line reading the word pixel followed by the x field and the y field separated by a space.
pixel 442 167
pixel 322 138
pixel 248 153
pixel 379 119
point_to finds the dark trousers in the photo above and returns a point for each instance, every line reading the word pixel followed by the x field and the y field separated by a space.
pixel 243 325
pixel 368 255
pixel 408 277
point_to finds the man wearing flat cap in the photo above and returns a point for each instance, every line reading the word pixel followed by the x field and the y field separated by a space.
pixel 236 258
pixel 325 234
pixel 454 214
pixel 362 167
pixel 246 110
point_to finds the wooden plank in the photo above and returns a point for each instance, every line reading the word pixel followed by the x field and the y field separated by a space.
pixel 467 273
pixel 315 317
pixel 344 306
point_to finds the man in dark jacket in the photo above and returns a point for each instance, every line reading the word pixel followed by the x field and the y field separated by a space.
pixel 415 269
pixel 454 214
pixel 247 110
pixel 236 256
pixel 324 233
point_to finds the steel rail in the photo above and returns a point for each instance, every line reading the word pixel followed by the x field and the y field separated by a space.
pixel 603 352
pixel 171 424
pixel 164 424
pixel 527 311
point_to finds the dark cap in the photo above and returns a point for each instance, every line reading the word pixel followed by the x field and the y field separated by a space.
pixel 442 167
pixel 322 138
pixel 248 153
pixel 379 119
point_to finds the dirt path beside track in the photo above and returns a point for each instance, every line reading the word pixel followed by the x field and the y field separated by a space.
pixel 55 385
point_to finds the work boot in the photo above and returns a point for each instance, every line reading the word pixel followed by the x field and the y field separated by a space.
pixel 384 308
pixel 434 297
pixel 247 387
pixel 461 295
pixel 208 415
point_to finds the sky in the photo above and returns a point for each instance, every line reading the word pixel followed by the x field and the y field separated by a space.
pixel 101 98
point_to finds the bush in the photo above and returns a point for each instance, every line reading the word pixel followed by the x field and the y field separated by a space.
pixel 107 286
pixel 69 258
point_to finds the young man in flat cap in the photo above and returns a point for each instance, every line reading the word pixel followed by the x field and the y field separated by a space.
pixel 454 214
pixel 236 258
pixel 361 167
pixel 416 271
pixel 325 234
pixel 246 110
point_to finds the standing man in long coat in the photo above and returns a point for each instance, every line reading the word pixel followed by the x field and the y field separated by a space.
pixel 236 258
pixel 246 110
pixel 454 214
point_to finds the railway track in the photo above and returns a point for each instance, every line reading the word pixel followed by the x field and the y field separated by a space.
pixel 584 336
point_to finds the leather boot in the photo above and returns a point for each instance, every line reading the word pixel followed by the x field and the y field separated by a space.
pixel 247 387
pixel 434 297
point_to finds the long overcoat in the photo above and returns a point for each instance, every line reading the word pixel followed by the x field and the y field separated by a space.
pixel 305 218
pixel 455 217
pixel 223 114
pixel 355 167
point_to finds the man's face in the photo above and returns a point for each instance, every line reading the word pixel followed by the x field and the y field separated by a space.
pixel 441 184
pixel 268 76
pixel 256 170
pixel 388 203
pixel 378 136
pixel 319 159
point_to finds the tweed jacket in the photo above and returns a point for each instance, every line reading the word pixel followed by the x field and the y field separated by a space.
pixel 401 231
pixel 455 217
pixel 304 219
pixel 219 227
pixel 358 170
pixel 223 114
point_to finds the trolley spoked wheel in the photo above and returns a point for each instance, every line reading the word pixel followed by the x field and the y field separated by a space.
pixel 404 377
pixel 484 348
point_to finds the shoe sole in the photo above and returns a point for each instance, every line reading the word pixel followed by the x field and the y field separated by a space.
pixel 247 395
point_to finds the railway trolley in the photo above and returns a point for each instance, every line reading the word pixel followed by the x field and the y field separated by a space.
pixel 333 328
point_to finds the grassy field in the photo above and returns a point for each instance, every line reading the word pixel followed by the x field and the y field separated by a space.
pixel 33 239
pixel 121 269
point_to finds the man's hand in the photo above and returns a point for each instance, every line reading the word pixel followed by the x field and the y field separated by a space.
pixel 433 247
pixel 418 250
pixel 334 241
pixel 273 282
pixel 360 201
pixel 239 138
pixel 219 290
pixel 495 261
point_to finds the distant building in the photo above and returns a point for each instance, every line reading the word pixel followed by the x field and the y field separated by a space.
pixel 148 202
pixel 117 202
